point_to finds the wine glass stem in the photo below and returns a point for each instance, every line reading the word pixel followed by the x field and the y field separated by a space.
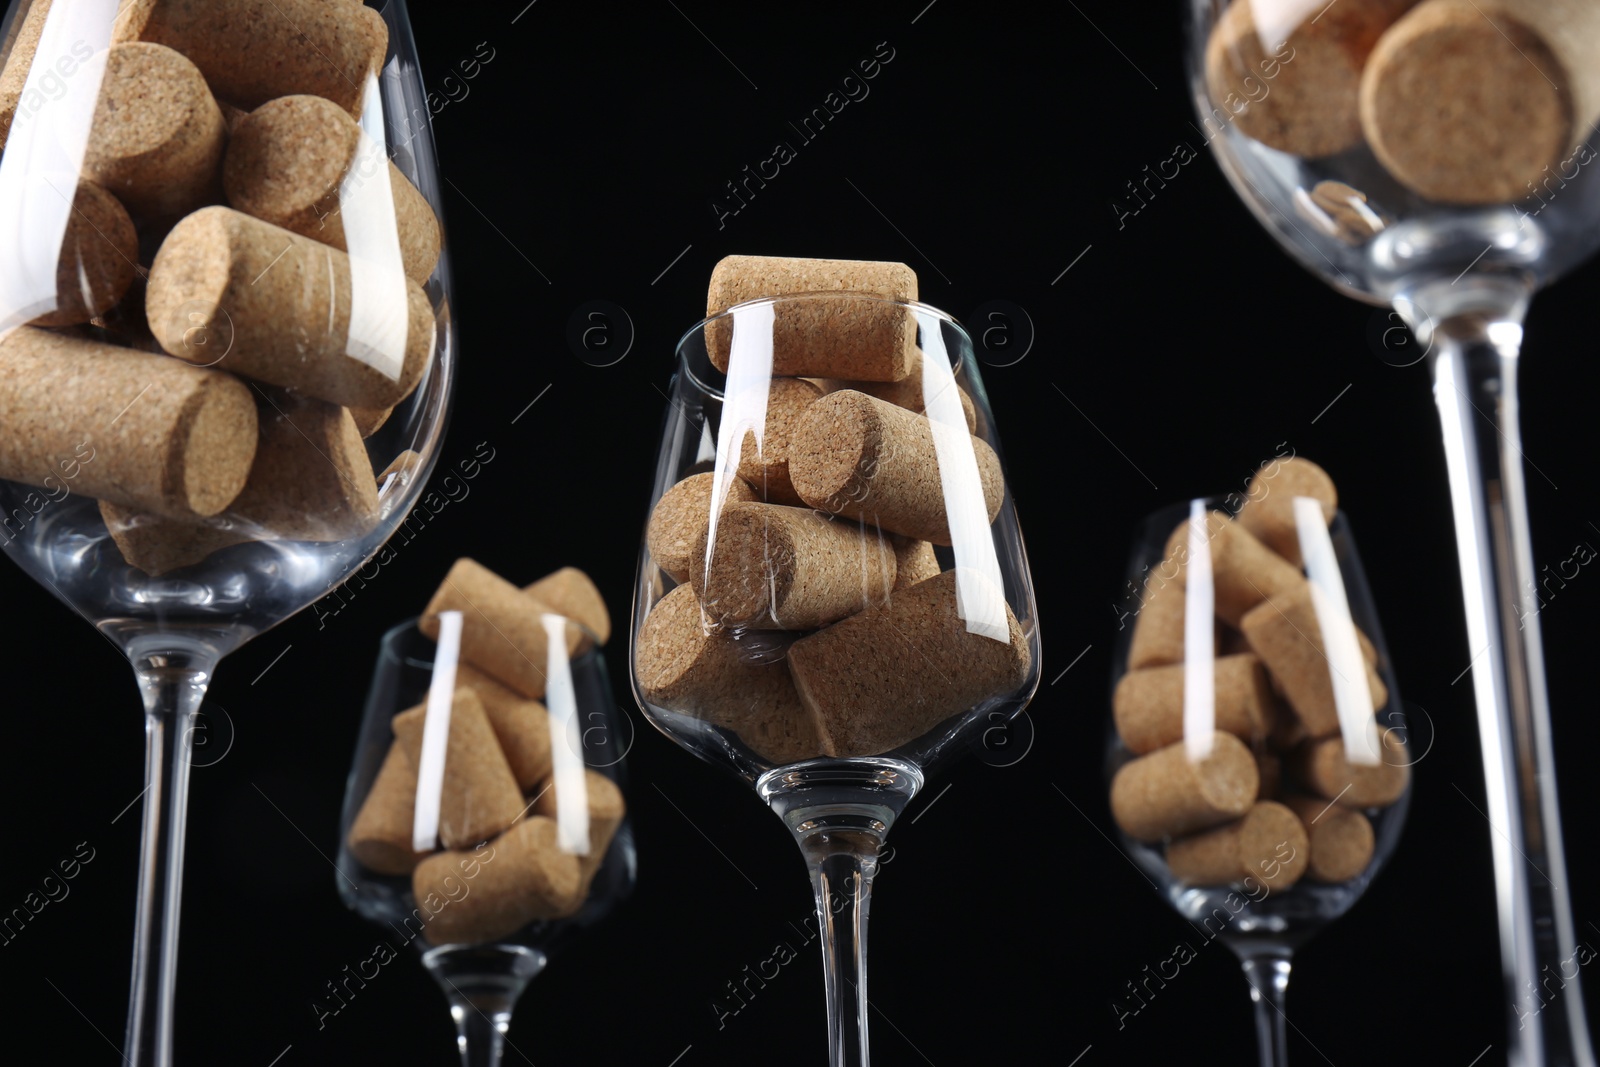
pixel 1475 388
pixel 1268 976
pixel 480 1032
pixel 483 984
pixel 173 684
pixel 843 864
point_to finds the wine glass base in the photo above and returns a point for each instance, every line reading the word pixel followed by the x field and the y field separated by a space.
pixel 864 794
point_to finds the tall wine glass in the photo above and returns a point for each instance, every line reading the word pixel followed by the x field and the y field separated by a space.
pixel 865 603
pixel 208 490
pixel 1454 216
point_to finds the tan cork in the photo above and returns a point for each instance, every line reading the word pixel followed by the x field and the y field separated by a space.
pixel 1158 629
pixel 502 630
pixel 606 808
pixel 282 300
pixel 480 797
pixel 157 545
pixel 1342 840
pixel 1269 768
pixel 99 258
pixel 888 675
pixel 1148 704
pixel 1321 766
pixel 1268 511
pixel 495 891
pixel 1268 846
pixel 907 392
pixel 682 667
pixel 404 467
pixel 1166 794
pixel 864 338
pixel 856 455
pixel 678 523
pixel 163 436
pixel 287 163
pixel 370 420
pixel 914 561
pixel 766 465
pixel 1244 572
pixel 158 136
pixel 1483 101
pixel 24 43
pixel 521 726
pixel 1285 633
pixel 572 593
pixel 380 837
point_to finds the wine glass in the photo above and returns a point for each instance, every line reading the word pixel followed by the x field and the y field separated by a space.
pixel 212 346
pixel 865 603
pixel 483 951
pixel 1328 123
pixel 1253 784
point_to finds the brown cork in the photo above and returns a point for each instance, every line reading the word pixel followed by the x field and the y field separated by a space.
pixel 1284 632
pixel 886 676
pixel 502 632
pixel 380 837
pixel 572 593
pixel 287 164
pixel 1269 768
pixel 839 336
pixel 405 465
pixel 495 891
pixel 480 797
pixel 24 43
pixel 678 523
pixel 370 420
pixel 99 258
pixel 1267 846
pixel 1321 766
pixel 907 392
pixel 782 568
pixel 766 465
pixel 1158 629
pixel 158 135
pixel 855 455
pixel 1148 704
pixel 1341 211
pixel 1297 95
pixel 156 544
pixel 521 726
pixel 1244 572
pixel 682 667
pixel 1342 840
pixel 255 50
pixel 606 808
pixel 914 561
pixel 277 304
pixel 1166 794
pixel 163 436
pixel 1268 511
pixel 1484 101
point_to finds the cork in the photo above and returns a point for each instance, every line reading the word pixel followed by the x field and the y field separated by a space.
pixel 1322 768
pixel 405 466
pixel 774 567
pixel 370 420
pixel 766 465
pixel 163 436
pixel 1166 794
pixel 231 116
pixel 907 392
pixel 480 797
pixel 19 61
pixel 1269 768
pixel 1244 572
pixel 1294 87
pixel 1148 704
pixel 99 258
pixel 158 135
pixel 606 808
pixel 1342 840
pixel 680 666
pixel 1483 101
pixel 284 303
pixel 855 455
pixel 1269 845
pixel 914 561
pixel 287 163
pixel 485 896
pixel 572 593
pixel 502 633
pixel 521 726
pixel 1158 629
pixel 842 336
pixel 678 522
pixel 1287 637
pixel 253 51
pixel 157 545
pixel 380 837
pixel 1268 511
pixel 887 675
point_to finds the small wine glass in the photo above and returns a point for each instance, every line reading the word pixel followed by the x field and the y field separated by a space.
pixel 485 954
pixel 1326 119
pixel 164 480
pixel 1232 785
pixel 854 633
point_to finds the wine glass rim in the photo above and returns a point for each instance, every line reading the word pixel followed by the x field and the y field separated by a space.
pixel 389 645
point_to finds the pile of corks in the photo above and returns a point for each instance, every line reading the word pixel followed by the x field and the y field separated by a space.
pixel 1275 799
pixel 817 621
pixel 498 789
pixel 198 350
pixel 1462 101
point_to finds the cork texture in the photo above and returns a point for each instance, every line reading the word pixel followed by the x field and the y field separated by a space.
pixel 480 797
pixel 907 392
pixel 1269 846
pixel 765 464
pixel 522 727
pixel 1244 572
pixel 1342 840
pixel 1285 634
pixel 914 561
pixel 605 809
pixel 99 258
pixel 1322 767
pixel 1148 704
pixel 24 43
pixel 370 420
pixel 1268 511
pixel 572 593
pixel 380 837
pixel 678 522
pixel 502 633
pixel 1157 638
pixel 1166 794
pixel 157 545
pixel 487 896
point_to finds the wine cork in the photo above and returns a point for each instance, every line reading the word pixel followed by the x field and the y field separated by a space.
pixel 522 727
pixel 907 392
pixel 1294 86
pixel 1269 768
pixel 488 895
pixel 24 43
pixel 1269 845
pixel 1166 794
pixel 852 454
pixel 1244 572
pixel 157 545
pixel 403 468
pixel 380 837
pixel 1158 629
pixel 862 337
pixel 1148 704
pixel 782 568
pixel 502 629
pixel 288 162
pixel 914 561
pixel 735 684
pixel 572 593
pixel 480 797
pixel 279 304
pixel 1522 88
pixel 99 258
pixel 1285 633
pixel 766 465
pixel 678 523
pixel 158 135
pixel 1342 840
pixel 255 50
pixel 1321 766
pixel 370 420
pixel 163 436
pixel 889 674
pixel 605 811
pixel 1268 511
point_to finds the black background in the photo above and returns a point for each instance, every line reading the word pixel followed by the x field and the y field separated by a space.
pixel 580 164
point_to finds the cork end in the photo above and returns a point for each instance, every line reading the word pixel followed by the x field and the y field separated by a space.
pixel 285 162
pixel 216 452
pixel 832 441
pixel 678 522
pixel 189 280
pixel 668 645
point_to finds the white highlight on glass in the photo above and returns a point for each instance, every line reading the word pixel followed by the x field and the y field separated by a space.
pixel 436 733
pixel 1347 668
pixel 744 401
pixel 561 699
pixel 1199 653
pixel 1276 19
pixel 379 298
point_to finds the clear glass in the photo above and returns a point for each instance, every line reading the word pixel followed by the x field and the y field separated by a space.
pixel 1455 216
pixel 174 465
pixel 865 605
pixel 492 944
